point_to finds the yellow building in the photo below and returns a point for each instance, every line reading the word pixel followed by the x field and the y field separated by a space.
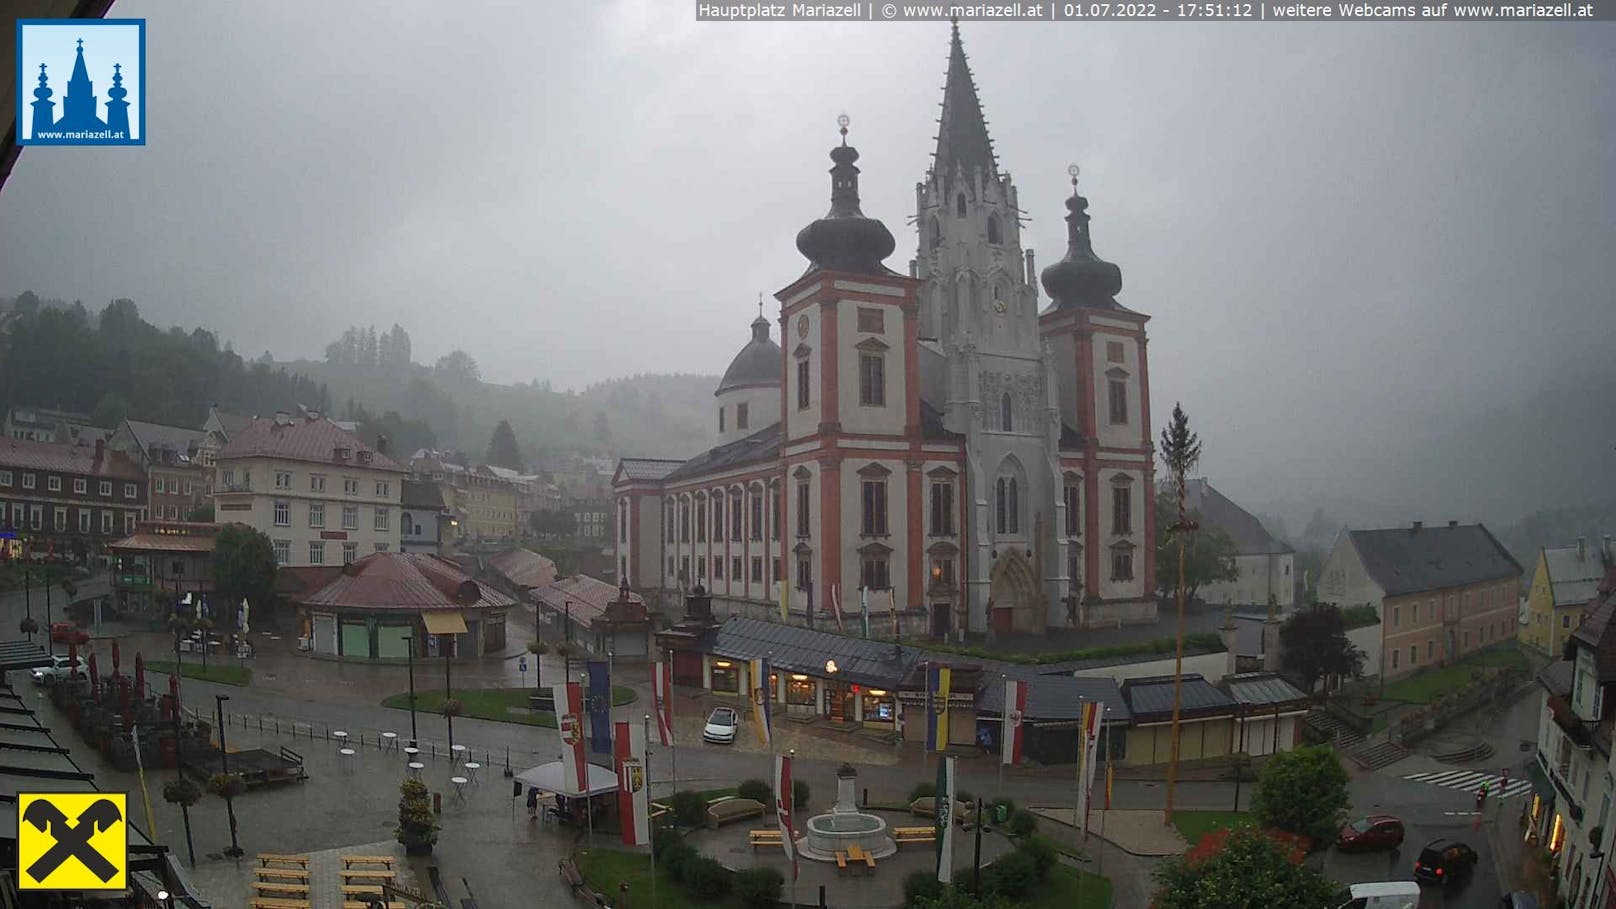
pixel 1565 579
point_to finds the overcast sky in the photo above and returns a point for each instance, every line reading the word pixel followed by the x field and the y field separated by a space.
pixel 1330 224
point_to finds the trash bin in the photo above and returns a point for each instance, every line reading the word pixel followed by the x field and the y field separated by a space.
pixel 1001 813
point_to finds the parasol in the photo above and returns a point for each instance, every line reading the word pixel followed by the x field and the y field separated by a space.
pixel 115 658
pixel 95 676
pixel 140 674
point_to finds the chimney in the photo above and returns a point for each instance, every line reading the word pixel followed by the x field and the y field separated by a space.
pixel 1452 524
pixel 100 449
pixel 1582 549
pixel 283 418
pixel 1417 526
pixel 381 444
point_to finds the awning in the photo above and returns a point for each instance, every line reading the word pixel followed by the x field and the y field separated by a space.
pixel 444 622
pixel 551 777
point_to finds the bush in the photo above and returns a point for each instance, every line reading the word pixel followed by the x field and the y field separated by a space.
pixel 676 859
pixel 706 879
pixel 965 797
pixel 1013 876
pixel 923 791
pixel 755 789
pixel 921 885
pixel 758 888
pixel 799 795
pixel 1023 822
pixel 689 808
pixel 664 840
pixel 417 825
pixel 1042 853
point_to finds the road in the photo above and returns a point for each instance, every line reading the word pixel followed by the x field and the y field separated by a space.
pixel 17 604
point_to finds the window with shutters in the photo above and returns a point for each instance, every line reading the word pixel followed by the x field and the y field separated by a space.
pixel 802 384
pixel 802 509
pixel 874 509
pixel 942 509
pixel 1074 511
pixel 872 380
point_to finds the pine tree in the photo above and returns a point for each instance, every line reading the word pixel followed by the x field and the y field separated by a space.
pixel 502 448
pixel 1180 452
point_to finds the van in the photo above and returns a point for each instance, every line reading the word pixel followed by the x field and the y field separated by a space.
pixel 1382 895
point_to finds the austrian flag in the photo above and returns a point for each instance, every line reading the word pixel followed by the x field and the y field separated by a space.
pixel 1015 707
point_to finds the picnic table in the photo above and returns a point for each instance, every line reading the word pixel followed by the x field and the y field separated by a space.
pixel 283 874
pixel 348 861
pixel 766 837
pixel 368 875
pixel 279 858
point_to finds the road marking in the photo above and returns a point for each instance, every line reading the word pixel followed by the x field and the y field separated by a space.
pixel 1462 813
pixel 1471 781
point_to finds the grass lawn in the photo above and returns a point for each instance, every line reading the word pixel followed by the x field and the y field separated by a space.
pixel 605 869
pixel 494 703
pixel 1069 888
pixel 1428 686
pixel 1193 825
pixel 226 674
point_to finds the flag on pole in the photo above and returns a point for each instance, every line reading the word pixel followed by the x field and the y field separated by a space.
pixel 783 795
pixel 1015 707
pixel 836 600
pixel 864 609
pixel 600 707
pixel 938 680
pixel 1088 759
pixel 761 706
pixel 1110 777
pixel 569 707
pixel 662 701
pixel 633 804
pixel 945 820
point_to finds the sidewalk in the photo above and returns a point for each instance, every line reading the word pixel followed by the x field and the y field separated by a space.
pixel 1140 833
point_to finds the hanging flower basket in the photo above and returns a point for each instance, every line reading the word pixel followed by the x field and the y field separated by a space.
pixel 182 791
pixel 28 626
pixel 226 785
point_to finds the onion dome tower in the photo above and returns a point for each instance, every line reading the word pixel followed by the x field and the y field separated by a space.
pixel 845 240
pixel 1082 279
pixel 749 394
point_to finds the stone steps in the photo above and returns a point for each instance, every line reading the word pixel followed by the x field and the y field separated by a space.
pixel 1374 757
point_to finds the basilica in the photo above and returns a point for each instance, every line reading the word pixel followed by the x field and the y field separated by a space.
pixel 942 443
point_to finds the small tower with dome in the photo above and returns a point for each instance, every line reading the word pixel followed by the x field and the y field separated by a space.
pixel 749 394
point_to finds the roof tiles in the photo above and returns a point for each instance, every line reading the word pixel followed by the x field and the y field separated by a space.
pixel 304 439
pixel 1410 560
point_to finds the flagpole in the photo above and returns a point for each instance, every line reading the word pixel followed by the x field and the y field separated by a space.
pixel 1100 852
pixel 667 707
pixel 1082 767
pixel 1004 727
pixel 649 829
pixel 589 797
pixel 925 744
pixel 787 833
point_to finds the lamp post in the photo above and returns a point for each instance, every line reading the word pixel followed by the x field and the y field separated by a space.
pixel 446 646
pixel 566 639
pixel 27 601
pixel 50 639
pixel 224 766
pixel 409 659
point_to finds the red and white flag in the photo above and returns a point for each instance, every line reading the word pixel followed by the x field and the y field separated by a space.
pixel 1015 707
pixel 662 701
pixel 1088 759
pixel 569 712
pixel 633 802
pixel 782 807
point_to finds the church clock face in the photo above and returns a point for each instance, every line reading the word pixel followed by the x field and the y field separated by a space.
pixel 802 326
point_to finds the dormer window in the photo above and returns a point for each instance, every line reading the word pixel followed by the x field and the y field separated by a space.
pixel 341 453
pixel 364 457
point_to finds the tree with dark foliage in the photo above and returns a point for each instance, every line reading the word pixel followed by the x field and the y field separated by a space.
pixel 1313 645
pixel 502 448
pixel 243 568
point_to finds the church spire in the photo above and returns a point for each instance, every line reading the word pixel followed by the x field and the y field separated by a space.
pixel 962 134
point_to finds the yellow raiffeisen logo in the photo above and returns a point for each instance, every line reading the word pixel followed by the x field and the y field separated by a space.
pixel 72 840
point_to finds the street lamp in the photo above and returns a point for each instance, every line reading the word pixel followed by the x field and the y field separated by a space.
pixel 224 767
pixel 410 662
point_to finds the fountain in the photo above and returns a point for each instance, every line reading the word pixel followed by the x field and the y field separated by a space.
pixel 831 833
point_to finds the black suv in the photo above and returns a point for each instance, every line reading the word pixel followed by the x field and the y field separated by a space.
pixel 1444 861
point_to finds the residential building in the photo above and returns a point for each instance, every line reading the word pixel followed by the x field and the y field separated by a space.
pixel 522 570
pixel 530 491
pixel 388 603
pixel 1564 581
pixel 482 504
pixel 592 522
pixel 176 480
pixel 596 616
pixel 936 436
pixel 173 557
pixel 1569 815
pixel 1440 592
pixel 216 433
pixel 1264 564
pixel 68 501
pixel 321 495
pixel 42 424
pixel 424 523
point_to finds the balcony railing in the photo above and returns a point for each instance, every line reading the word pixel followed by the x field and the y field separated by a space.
pixel 233 486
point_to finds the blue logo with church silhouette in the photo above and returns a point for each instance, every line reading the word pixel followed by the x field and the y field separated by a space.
pixel 60 65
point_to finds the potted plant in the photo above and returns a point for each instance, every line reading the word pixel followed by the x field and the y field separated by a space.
pixel 28 626
pixel 417 829
pixel 182 792
pixel 225 785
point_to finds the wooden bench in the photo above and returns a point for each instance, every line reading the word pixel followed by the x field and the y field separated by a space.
pixel 902 835
pixel 857 854
pixel 285 887
pixel 361 904
pixel 266 858
pixel 367 876
pixel 283 874
pixel 570 874
pixel 841 862
pixel 348 861
pixel 269 903
pixel 722 812
pixel 760 838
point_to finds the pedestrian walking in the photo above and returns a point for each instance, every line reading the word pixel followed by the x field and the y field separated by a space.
pixel 532 802
pixel 1481 797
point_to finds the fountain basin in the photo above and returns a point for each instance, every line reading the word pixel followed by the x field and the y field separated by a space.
pixel 831 833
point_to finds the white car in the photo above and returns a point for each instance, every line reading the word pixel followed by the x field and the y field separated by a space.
pixel 56 670
pixel 721 725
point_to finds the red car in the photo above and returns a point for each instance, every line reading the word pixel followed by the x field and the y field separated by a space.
pixel 1377 831
pixel 68 633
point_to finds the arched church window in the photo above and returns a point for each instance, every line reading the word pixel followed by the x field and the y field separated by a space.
pixel 1007 514
pixel 935 231
pixel 1006 414
pixel 994 234
pixel 959 206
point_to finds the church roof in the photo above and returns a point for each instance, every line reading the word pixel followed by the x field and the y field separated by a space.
pixel 962 134
pixel 758 363
pixel 757 448
pixel 1249 535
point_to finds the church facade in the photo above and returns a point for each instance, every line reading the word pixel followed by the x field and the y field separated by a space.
pixel 932 441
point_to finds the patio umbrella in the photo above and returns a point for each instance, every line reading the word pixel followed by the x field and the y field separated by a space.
pixel 95 676
pixel 115 660
pixel 72 660
pixel 245 614
pixel 123 701
pixel 140 675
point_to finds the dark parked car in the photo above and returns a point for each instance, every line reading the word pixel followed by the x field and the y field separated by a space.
pixel 1444 861
pixel 1520 899
pixel 1377 831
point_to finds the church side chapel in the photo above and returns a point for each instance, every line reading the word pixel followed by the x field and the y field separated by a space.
pixel 932 444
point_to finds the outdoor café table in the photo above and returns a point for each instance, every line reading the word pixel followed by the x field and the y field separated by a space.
pixel 471 771
pixel 415 769
pixel 459 788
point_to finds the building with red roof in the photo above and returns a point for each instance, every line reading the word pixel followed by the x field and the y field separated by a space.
pixel 66 501
pixel 377 607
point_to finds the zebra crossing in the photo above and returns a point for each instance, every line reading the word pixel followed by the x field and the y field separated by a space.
pixel 1471 781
